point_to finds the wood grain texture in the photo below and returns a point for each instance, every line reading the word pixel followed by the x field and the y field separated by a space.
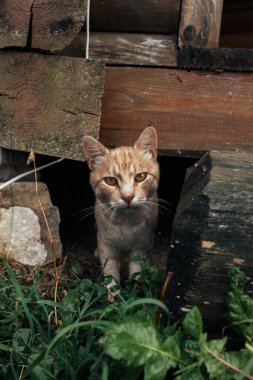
pixel 215 59
pixel 190 110
pixel 48 103
pixel 213 233
pixel 200 23
pixel 146 16
pixel 48 25
pixel 126 48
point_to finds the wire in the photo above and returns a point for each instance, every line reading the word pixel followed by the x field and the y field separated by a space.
pixel 87 30
pixel 7 183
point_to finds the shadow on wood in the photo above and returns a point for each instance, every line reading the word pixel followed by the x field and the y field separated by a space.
pixel 212 231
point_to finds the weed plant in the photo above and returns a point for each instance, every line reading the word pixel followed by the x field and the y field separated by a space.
pixel 93 339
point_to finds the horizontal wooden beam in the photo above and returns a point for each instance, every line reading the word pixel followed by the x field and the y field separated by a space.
pixel 192 111
pixel 127 48
pixel 47 103
pixel 237 17
pixel 215 59
pixel 237 40
pixel 145 16
pixel 48 25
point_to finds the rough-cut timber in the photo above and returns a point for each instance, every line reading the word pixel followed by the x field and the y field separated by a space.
pixel 24 234
pixel 215 59
pixel 190 110
pixel 200 23
pixel 146 16
pixel 213 232
pixel 48 103
pixel 48 24
pixel 126 48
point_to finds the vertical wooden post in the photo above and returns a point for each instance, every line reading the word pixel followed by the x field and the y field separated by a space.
pixel 200 23
pixel 212 232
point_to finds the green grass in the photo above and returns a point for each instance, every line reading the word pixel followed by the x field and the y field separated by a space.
pixel 94 339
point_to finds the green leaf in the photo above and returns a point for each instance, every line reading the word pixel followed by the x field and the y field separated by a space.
pixel 138 343
pixel 240 305
pixel 193 324
pixel 4 347
pixel 151 301
pixel 237 279
pixel 21 297
pixel 41 371
pixel 76 267
pixel 21 340
pixel 221 370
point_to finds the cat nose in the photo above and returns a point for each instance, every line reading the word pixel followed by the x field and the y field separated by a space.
pixel 128 198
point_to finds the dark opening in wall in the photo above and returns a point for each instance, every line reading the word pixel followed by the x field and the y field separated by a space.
pixel 236 25
pixel 70 191
pixel 68 183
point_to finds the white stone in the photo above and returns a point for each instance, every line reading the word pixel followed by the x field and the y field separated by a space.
pixel 20 235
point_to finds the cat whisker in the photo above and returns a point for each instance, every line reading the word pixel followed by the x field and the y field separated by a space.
pixel 163 211
pixel 148 202
pixel 89 211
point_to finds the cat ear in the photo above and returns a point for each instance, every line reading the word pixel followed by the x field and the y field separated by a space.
pixel 147 143
pixel 94 151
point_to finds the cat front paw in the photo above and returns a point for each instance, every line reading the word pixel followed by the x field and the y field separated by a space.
pixel 112 287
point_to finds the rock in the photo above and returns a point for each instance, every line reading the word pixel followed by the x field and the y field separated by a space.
pixel 24 234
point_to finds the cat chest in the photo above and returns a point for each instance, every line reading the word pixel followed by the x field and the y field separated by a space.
pixel 126 237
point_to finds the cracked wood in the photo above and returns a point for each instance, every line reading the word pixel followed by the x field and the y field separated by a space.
pixel 48 103
pixel 48 25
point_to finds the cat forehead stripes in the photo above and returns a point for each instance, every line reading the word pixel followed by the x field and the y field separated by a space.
pixel 146 145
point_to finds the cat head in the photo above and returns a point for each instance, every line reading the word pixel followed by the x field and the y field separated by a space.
pixel 124 177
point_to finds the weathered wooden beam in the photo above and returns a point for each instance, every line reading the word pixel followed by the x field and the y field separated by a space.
pixel 211 233
pixel 48 24
pixel 126 48
pixel 215 59
pixel 146 16
pixel 48 103
pixel 190 110
pixel 200 23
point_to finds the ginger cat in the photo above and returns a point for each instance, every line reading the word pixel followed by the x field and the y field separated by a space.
pixel 125 182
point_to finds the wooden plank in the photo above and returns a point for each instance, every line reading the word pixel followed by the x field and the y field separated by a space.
pixel 237 17
pixel 200 23
pixel 215 59
pixel 48 25
pixel 213 233
pixel 126 48
pixel 190 110
pixel 237 40
pixel 47 103
pixel 146 16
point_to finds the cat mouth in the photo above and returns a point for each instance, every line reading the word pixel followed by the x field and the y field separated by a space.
pixel 130 207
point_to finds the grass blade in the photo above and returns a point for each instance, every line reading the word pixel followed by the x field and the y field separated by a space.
pixel 21 297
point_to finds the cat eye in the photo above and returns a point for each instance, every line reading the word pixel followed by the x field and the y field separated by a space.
pixel 140 177
pixel 111 181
